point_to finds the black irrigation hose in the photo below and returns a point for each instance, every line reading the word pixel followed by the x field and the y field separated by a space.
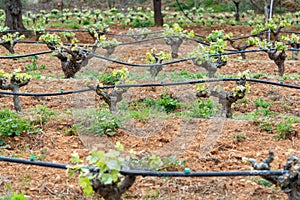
pixel 29 162
pixel 30 42
pixel 153 173
pixel 151 85
pixel 125 63
pixel 273 83
pixel 50 31
pixel 199 81
pixel 26 55
pixel 141 65
pixel 180 60
pixel 285 31
pixel 65 44
pixel 83 31
pixel 243 37
pixel 177 61
pixel 124 43
pixel 293 49
pixel 154 32
pixel 198 41
pixel 162 37
pixel 46 94
pixel 132 35
pixel 205 174
pixel 201 36
pixel 140 41
pixel 148 65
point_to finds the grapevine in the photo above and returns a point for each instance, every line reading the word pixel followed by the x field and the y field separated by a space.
pixel 13 82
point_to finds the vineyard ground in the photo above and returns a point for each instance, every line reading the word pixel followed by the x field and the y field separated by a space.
pixel 205 144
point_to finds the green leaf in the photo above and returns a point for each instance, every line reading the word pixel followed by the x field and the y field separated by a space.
pixel 106 179
pixel 96 156
pixel 110 133
pixel 85 183
pixel 113 164
pixel 119 146
pixel 115 174
pixel 75 158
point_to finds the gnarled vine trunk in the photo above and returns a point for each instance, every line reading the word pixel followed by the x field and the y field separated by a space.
pixel 9 46
pixel 211 67
pixel 113 191
pixel 278 59
pixel 289 182
pixel 72 61
pixel 241 48
pixel 109 50
pixel 226 99
pixel 112 98
pixel 14 86
pixel 295 53
pixel 175 43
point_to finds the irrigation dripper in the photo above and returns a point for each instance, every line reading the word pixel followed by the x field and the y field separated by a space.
pixel 31 157
pixel 187 170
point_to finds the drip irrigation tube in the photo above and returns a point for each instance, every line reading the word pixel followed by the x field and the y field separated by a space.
pixel 50 31
pixel 141 65
pixel 284 31
pixel 131 35
pixel 231 52
pixel 83 31
pixel 200 81
pixel 153 173
pixel 247 36
pixel 140 41
pixel 65 44
pixel 46 94
pixel 162 37
pixel 26 55
pixel 151 85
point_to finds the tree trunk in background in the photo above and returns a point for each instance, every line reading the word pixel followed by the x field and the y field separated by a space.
pixel 158 17
pixel 267 10
pixel 13 11
pixel 263 6
pixel 237 13
pixel 196 3
pixel 110 4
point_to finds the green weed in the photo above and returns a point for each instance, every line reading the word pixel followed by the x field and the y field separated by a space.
pixel 34 66
pixel 168 103
pixel 99 123
pixel 238 138
pixel 257 75
pixel 15 196
pixel 285 128
pixel 73 130
pixel 201 109
pixel 42 114
pixel 260 103
pixel 264 182
pixel 12 124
